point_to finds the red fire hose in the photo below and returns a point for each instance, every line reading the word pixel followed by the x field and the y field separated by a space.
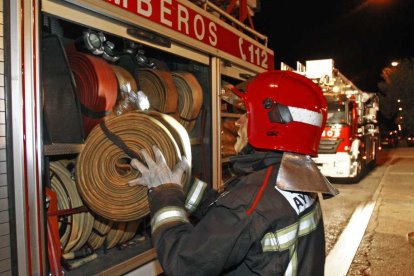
pixel 96 86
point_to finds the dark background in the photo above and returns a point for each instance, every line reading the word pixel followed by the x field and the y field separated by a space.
pixel 361 36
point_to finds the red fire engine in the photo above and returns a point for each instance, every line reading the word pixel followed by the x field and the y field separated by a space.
pixel 350 141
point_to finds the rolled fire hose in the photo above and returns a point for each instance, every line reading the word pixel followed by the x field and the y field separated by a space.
pixel 103 169
pixel 112 232
pixel 229 124
pixel 64 196
pixel 80 226
pixel 160 90
pixel 101 227
pixel 130 231
pixel 180 136
pixel 124 78
pixel 121 232
pixel 88 216
pixel 227 137
pixel 190 98
pixel 129 98
pixel 229 97
pixel 96 87
pixel 115 234
pixel 127 87
pixel 63 203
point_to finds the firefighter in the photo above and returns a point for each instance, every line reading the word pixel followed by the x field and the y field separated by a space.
pixel 268 221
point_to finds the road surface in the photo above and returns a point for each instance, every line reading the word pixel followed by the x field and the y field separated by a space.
pixel 366 225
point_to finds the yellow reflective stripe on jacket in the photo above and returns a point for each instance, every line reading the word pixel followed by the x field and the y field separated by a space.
pixel 310 221
pixel 283 239
pixel 293 264
pixel 195 195
pixel 287 238
pixel 167 215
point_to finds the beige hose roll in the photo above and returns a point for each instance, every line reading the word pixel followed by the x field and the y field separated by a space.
pixel 124 79
pixel 101 228
pixel 159 88
pixel 66 195
pixel 96 241
pixel 190 98
pixel 88 218
pixel 115 234
pixel 127 90
pixel 180 135
pixel 63 203
pixel 103 170
pixel 81 223
pixel 130 231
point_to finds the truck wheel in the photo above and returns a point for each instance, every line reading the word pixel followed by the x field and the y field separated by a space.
pixel 360 169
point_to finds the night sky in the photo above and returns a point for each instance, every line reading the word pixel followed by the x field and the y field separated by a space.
pixel 361 36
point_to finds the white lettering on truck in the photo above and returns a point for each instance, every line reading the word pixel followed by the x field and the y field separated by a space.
pixel 141 5
pixel 183 19
pixel 166 10
pixel 184 22
pixel 198 21
pixel 213 36
pixel 118 2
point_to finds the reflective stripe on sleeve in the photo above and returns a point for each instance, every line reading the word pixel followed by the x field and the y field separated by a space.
pixel 305 116
pixel 195 195
pixel 167 215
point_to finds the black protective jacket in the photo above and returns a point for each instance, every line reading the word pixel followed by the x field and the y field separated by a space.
pixel 252 228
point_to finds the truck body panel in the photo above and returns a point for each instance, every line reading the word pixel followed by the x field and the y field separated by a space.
pixel 175 33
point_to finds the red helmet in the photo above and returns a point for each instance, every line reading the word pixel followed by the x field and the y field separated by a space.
pixel 286 111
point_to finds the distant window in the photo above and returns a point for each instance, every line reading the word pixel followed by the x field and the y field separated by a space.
pixel 336 113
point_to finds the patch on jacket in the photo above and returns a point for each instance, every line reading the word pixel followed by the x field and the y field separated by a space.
pixel 299 201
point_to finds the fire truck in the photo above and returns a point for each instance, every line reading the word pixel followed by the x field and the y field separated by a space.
pixel 86 84
pixel 350 140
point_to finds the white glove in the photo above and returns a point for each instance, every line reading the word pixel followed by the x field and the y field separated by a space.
pixel 157 173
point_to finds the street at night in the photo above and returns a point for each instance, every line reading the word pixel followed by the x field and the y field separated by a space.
pixel 367 224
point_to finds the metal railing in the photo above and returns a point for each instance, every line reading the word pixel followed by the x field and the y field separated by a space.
pixel 209 6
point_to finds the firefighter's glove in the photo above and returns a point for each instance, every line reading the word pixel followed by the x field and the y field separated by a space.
pixel 157 172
